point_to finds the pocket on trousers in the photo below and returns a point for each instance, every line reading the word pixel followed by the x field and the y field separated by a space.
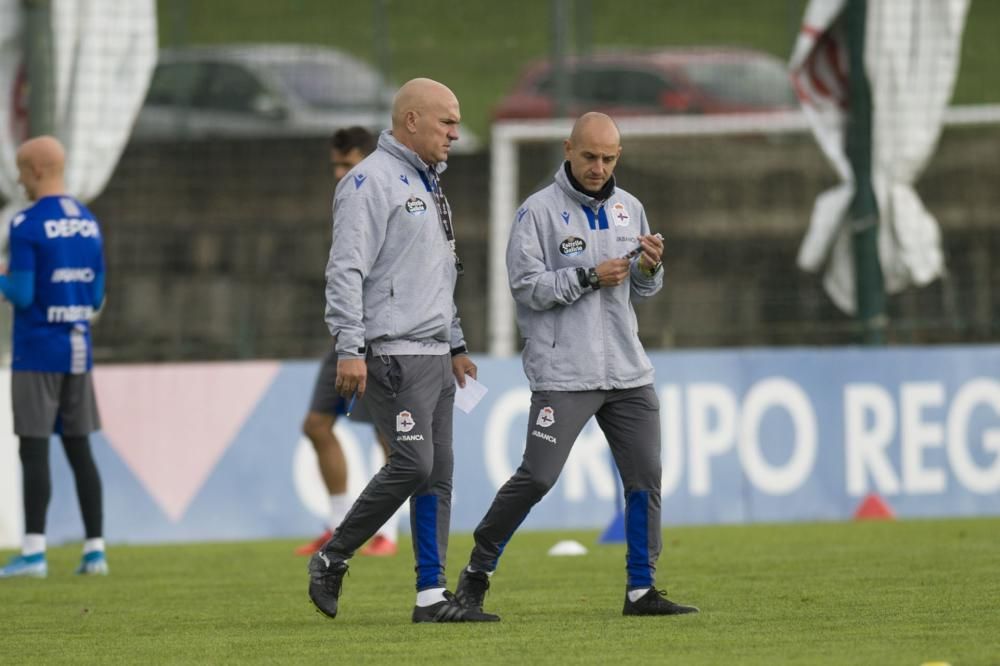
pixel 395 375
pixel 387 371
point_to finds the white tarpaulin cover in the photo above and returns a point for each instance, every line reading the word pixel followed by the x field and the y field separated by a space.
pixel 103 55
pixel 912 53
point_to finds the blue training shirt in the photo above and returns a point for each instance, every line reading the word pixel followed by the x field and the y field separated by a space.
pixel 57 265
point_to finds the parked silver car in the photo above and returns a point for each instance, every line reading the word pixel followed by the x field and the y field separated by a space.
pixel 263 90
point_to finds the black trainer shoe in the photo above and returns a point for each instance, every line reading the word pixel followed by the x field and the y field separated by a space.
pixel 450 610
pixel 655 602
pixel 325 579
pixel 471 589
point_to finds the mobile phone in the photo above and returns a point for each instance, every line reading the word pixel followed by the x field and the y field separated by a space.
pixel 638 250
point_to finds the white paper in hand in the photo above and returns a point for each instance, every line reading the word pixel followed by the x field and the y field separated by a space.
pixel 468 397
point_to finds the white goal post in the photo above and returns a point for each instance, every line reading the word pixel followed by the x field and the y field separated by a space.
pixel 506 137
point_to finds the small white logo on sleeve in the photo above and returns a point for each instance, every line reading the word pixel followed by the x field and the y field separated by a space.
pixel 19 219
pixel 69 207
pixel 546 417
pixel 404 421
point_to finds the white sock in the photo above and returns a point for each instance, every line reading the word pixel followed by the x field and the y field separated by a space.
pixel 471 570
pixel 390 530
pixel 339 505
pixel 635 595
pixel 92 545
pixel 430 597
pixel 33 544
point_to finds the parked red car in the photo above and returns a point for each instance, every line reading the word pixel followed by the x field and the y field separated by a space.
pixel 665 81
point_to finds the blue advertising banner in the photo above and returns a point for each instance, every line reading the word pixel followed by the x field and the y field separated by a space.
pixel 215 452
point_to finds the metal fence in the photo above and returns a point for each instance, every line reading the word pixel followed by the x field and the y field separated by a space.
pixel 217 238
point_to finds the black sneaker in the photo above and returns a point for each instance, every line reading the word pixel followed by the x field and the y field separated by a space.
pixel 450 610
pixel 655 602
pixel 325 579
pixel 471 589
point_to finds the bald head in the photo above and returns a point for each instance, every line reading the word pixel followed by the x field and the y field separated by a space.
pixel 594 124
pixel 593 149
pixel 40 164
pixel 425 117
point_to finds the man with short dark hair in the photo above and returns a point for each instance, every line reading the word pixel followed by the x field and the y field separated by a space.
pixel 580 252
pixel 56 284
pixel 348 146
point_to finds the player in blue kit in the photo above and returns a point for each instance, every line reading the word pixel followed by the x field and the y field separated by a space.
pixel 55 282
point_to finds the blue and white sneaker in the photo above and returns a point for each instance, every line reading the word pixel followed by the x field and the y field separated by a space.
pixel 93 564
pixel 31 566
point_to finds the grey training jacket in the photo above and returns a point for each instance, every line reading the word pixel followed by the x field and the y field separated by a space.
pixel 577 338
pixel 390 279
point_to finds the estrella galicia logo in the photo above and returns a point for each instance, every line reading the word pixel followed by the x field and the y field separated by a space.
pixel 415 206
pixel 521 213
pixel 565 216
pixel 572 246
pixel 403 178
pixel 359 180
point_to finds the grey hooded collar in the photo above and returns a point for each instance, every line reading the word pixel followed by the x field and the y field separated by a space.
pixel 389 143
pixel 562 179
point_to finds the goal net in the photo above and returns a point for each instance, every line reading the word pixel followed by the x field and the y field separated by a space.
pixel 732 196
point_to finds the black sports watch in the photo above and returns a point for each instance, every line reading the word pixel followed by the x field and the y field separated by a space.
pixel 593 279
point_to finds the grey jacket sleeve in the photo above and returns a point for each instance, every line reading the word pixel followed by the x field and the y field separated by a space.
pixel 532 283
pixel 359 225
pixel 457 337
pixel 643 286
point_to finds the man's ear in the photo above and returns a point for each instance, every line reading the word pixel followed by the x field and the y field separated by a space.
pixel 411 121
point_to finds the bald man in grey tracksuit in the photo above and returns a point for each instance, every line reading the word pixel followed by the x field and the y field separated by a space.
pixel 575 266
pixel 390 304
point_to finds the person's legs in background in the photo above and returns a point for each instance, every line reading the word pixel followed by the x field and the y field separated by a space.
pixel 318 427
pixel 324 407
pixel 37 490
pixel 89 494
pixel 383 544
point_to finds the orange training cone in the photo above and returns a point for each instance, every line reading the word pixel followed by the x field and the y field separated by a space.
pixel 874 508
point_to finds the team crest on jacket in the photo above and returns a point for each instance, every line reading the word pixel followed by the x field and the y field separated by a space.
pixel 620 215
pixel 415 206
pixel 404 421
pixel 572 246
pixel 546 417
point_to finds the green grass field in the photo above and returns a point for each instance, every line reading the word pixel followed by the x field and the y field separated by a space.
pixel 478 47
pixel 903 593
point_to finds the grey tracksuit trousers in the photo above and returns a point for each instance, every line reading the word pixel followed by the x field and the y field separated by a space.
pixel 411 400
pixel 630 420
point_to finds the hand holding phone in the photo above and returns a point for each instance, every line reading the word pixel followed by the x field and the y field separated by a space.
pixel 638 250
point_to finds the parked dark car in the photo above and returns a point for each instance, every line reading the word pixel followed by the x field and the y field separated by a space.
pixel 264 90
pixel 665 81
